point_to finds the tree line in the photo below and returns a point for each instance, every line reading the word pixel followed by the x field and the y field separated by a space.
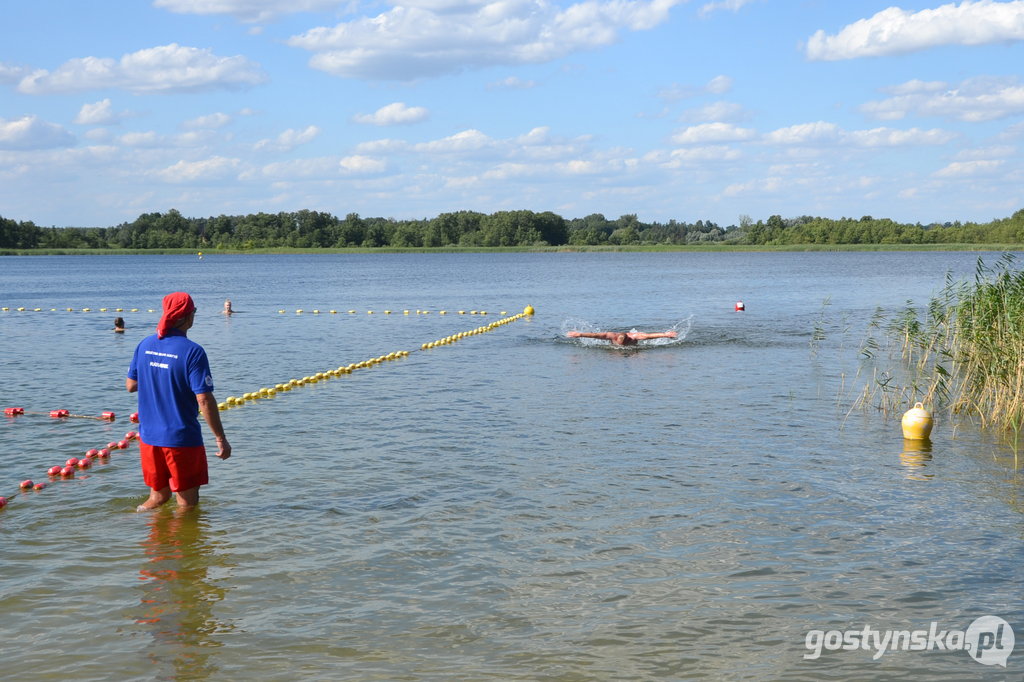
pixel 313 229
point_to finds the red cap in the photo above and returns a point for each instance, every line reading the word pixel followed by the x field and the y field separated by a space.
pixel 177 306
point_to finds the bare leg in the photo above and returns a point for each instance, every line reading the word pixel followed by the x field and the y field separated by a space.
pixel 188 498
pixel 156 498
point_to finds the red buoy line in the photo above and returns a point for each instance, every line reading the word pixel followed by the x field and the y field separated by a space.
pixel 58 414
pixel 73 464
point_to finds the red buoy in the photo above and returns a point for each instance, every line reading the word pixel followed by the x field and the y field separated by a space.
pixel 53 471
pixel 134 417
pixel 14 411
pixel 109 416
pixel 740 307
pixel 57 414
pixel 25 485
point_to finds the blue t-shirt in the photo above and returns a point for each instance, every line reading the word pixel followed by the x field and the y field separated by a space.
pixel 170 372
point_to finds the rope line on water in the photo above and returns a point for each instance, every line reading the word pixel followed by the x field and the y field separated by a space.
pixel 270 392
pixel 280 311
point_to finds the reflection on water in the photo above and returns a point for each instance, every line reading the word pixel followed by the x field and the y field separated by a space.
pixel 179 595
pixel 915 457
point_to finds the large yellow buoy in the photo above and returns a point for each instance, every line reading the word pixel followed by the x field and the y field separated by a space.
pixel 917 423
pixel 528 310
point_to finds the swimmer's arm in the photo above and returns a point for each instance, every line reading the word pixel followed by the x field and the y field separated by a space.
pixel 641 336
pixel 131 385
pixel 590 335
pixel 211 413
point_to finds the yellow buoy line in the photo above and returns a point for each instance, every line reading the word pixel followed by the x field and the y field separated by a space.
pixel 292 384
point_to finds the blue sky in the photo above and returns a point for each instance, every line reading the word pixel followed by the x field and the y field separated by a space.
pixel 411 108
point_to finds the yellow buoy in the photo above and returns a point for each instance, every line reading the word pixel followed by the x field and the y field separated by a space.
pixel 528 310
pixel 917 423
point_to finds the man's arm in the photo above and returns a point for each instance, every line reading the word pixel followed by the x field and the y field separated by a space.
pixel 608 336
pixel 131 385
pixel 642 336
pixel 208 406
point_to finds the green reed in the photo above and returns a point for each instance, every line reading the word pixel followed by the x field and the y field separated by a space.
pixel 963 353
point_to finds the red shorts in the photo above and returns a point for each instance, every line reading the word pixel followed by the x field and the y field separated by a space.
pixel 179 468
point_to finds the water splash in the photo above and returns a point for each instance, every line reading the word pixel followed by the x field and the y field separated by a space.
pixel 682 328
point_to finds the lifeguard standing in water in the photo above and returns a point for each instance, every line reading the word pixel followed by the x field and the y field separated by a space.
pixel 171 374
pixel 622 338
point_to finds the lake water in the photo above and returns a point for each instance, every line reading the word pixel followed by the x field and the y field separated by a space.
pixel 513 506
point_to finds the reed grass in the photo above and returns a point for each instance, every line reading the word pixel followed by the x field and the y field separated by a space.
pixel 963 354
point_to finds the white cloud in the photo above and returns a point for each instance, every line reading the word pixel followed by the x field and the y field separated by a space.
pixel 288 140
pixel 414 40
pixel 898 31
pixel 965 169
pixel 246 10
pixel 295 169
pixel 689 156
pixel 382 146
pixel 12 73
pixel 215 168
pixel 1004 151
pixel 716 111
pixel 824 133
pixel 913 87
pixel 890 137
pixel 804 133
pixel 713 132
pixel 362 165
pixel 97 114
pixel 768 185
pixel 164 69
pixel 510 171
pixel 974 100
pixel 31 132
pixel 719 85
pixel 396 113
pixel 512 83
pixel 466 141
pixel 731 5
pixel 209 122
pixel 146 139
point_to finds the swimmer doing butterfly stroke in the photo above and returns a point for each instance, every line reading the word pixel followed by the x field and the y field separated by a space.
pixel 622 338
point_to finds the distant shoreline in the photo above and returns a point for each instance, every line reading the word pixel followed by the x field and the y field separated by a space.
pixel 521 249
